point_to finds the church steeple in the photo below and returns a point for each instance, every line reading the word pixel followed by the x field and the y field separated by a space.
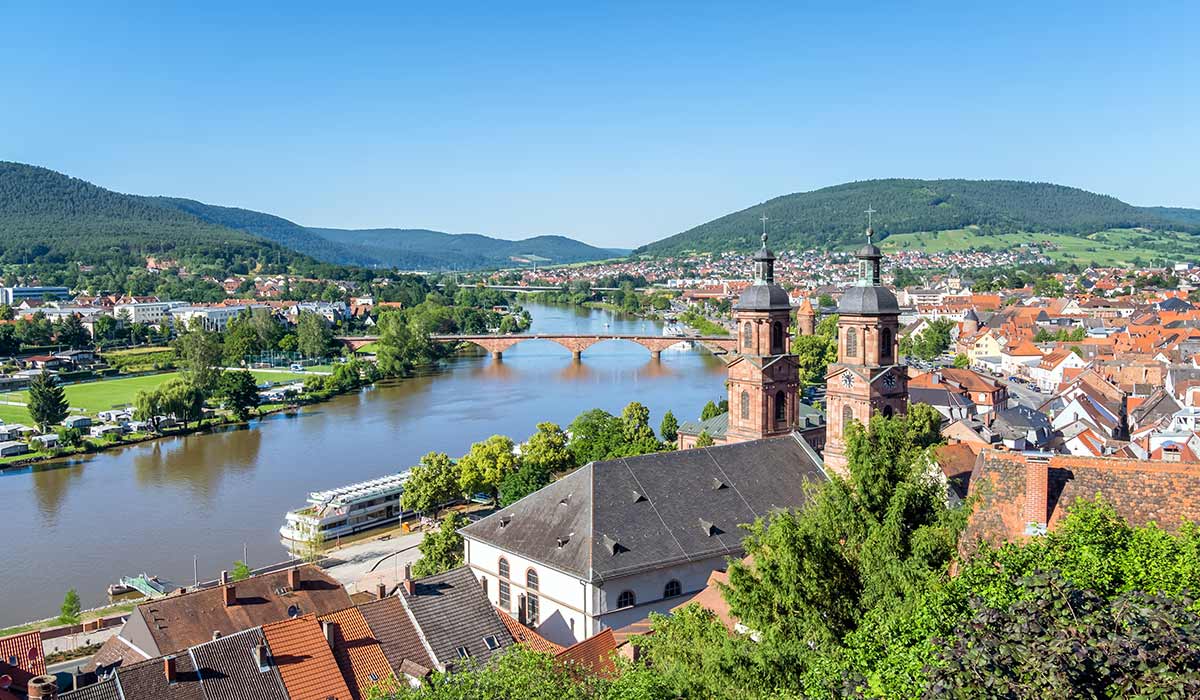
pixel 869 263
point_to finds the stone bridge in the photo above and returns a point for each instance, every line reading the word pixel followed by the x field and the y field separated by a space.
pixel 497 344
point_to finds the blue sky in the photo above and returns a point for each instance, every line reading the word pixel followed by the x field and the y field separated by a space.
pixel 616 123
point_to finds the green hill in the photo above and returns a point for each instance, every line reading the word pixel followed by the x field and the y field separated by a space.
pixel 49 218
pixel 833 217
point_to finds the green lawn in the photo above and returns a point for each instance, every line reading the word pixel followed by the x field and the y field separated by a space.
pixel 1106 248
pixel 94 397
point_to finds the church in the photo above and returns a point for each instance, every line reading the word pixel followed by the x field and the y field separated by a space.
pixel 616 540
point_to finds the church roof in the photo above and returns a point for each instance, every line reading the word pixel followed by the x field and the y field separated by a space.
pixel 716 426
pixel 617 517
pixel 763 297
pixel 868 301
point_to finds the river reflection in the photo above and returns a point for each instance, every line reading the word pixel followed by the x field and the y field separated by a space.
pixel 152 507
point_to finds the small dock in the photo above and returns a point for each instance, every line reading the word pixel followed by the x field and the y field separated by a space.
pixel 149 586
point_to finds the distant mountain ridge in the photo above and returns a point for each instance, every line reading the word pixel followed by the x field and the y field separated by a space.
pixel 46 216
pixel 834 217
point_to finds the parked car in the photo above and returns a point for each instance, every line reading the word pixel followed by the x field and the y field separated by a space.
pixel 297 367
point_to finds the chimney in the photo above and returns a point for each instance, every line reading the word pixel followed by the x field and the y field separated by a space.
pixel 327 630
pixel 224 578
pixel 1037 495
pixel 216 635
pixel 230 596
pixel 381 590
pixel 408 580
pixel 42 688
pixel 169 669
pixel 294 578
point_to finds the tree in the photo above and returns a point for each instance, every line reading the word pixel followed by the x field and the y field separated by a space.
pixel 815 352
pixel 595 436
pixel 199 353
pixel 442 549
pixel 312 548
pixel 240 392
pixel 431 484
pixel 69 437
pixel 70 611
pixel 524 481
pixel 669 429
pixel 486 465
pixel 149 406
pixel 825 301
pixel 10 344
pixel 47 401
pixel 929 343
pixel 547 451
pixel 240 572
pixel 72 333
pixel 241 341
pixel 1059 640
pixel 961 361
pixel 313 335
pixel 710 410
pixel 636 433
pixel 704 439
pixel 401 345
pixel 183 399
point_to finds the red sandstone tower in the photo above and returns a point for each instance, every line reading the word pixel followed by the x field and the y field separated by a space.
pixel 764 378
pixel 866 378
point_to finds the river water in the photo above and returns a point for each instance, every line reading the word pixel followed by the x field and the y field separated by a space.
pixel 153 507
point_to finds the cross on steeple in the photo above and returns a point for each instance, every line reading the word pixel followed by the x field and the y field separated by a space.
pixel 869 212
pixel 764 219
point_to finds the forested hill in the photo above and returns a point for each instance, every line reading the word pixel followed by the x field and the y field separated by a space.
pixel 833 216
pixel 49 218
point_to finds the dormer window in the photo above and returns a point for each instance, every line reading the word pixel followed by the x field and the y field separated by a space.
pixel 463 653
pixel 491 642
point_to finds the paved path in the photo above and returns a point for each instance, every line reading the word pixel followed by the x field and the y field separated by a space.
pixel 362 565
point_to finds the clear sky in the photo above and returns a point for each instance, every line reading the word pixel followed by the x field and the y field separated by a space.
pixel 616 123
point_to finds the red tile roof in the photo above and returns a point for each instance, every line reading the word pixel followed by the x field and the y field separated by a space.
pixel 24 651
pixel 526 636
pixel 304 660
pixel 593 655
pixel 358 653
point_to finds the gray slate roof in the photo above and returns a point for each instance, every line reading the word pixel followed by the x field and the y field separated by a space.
pixel 395 633
pixel 452 611
pixel 868 301
pixel 104 690
pixel 229 672
pixel 716 426
pixel 763 297
pixel 147 681
pixel 617 517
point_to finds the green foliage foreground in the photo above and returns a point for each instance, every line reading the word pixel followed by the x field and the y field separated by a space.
pixel 852 596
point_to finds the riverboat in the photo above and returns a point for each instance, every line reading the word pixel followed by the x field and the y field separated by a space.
pixel 345 511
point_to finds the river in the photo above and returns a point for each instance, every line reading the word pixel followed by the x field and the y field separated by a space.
pixel 153 507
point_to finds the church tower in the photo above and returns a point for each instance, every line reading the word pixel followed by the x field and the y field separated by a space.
pixel 764 378
pixel 866 378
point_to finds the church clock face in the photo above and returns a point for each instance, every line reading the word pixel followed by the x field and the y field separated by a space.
pixel 847 380
pixel 889 381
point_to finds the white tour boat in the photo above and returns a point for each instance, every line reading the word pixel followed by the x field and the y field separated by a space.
pixel 344 511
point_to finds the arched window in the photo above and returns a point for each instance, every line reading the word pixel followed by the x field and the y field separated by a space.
pixel 626 600
pixel 851 342
pixel 502 586
pixel 745 405
pixel 532 604
pixel 885 345
pixel 672 589
pixel 847 415
pixel 747 335
pixel 887 411
pixel 780 407
pixel 776 337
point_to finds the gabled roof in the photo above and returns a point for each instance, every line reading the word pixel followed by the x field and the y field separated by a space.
pixel 613 518
pixel 305 662
pixel 527 637
pixel 229 670
pixel 398 638
pixel 104 690
pixel 24 651
pixel 180 621
pixel 716 427
pixel 451 611
pixel 594 655
pixel 147 680
pixel 358 653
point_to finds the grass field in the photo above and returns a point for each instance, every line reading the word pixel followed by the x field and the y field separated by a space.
pixel 1106 248
pixel 94 397
pixel 14 414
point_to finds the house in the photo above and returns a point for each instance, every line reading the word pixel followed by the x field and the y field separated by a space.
pixel 983 393
pixel 44 362
pixel 1017 358
pixel 100 431
pixel 1050 372
pixel 1024 495
pixel 304 658
pixel 614 540
pixel 1021 428
pixel 78 357
pixel 77 422
pixel 454 618
pixel 359 655
pixel 21 659
pixel 174 623
pixel 398 637
pixel 12 448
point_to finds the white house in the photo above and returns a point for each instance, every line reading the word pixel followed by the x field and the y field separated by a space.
pixel 151 313
pixel 616 540
pixel 1049 373
pixel 12 448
